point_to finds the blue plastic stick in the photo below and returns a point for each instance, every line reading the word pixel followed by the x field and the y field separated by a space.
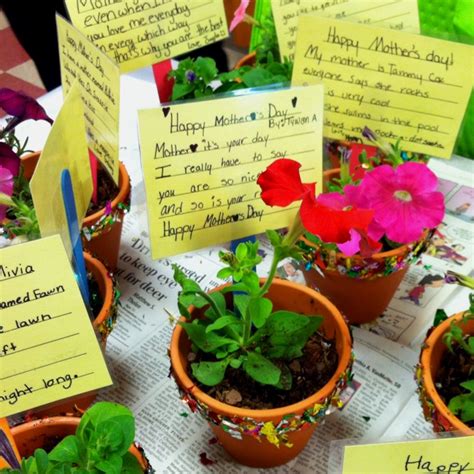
pixel 74 234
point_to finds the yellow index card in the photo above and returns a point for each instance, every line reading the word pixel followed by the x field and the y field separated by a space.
pixel 394 14
pixel 66 147
pixel 201 161
pixel 99 79
pixel 48 348
pixel 451 455
pixel 402 86
pixel 136 34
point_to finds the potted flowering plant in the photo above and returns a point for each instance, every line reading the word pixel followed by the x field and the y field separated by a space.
pixel 263 360
pixel 78 444
pixel 445 374
pixel 389 213
pixel 197 78
pixel 102 226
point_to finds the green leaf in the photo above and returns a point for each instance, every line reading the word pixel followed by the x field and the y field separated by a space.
pixel 252 282
pixel 224 273
pixel 236 363
pixel 223 322
pixel 219 300
pixel 261 369
pixel 463 406
pixel 286 379
pixel 210 373
pixel 181 90
pixel 67 450
pixel 241 302
pixel 111 465
pixel 235 288
pixel 470 343
pixel 259 310
pixel 469 385
pixel 206 69
pixel 131 465
pixel 274 237
pixel 41 459
pixel 207 342
pixel 241 251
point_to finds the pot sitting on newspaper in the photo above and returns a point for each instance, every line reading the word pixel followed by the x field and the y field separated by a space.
pixel 262 360
pixel 102 226
pixel 389 210
pixel 445 373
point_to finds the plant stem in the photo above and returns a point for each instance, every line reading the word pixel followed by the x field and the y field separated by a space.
pixel 207 298
pixel 271 274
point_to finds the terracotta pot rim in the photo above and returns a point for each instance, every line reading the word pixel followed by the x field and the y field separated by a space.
pixel 108 297
pixel 427 377
pixel 297 408
pixel 124 191
pixel 70 421
pixel 245 60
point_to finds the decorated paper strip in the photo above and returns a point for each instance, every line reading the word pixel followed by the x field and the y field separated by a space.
pixel 66 148
pixel 137 34
pixel 99 80
pixel 394 14
pixel 452 455
pixel 48 348
pixel 201 161
pixel 400 85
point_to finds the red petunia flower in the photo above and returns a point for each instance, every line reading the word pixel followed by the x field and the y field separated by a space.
pixel 281 185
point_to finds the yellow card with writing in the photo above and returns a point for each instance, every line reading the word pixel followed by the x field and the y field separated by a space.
pixel 201 161
pixel 452 455
pixel 397 15
pixel 66 147
pixel 140 33
pixel 99 79
pixel 48 348
pixel 402 86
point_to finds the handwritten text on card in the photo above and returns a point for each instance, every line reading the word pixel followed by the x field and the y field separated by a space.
pixel 201 162
pixel 400 85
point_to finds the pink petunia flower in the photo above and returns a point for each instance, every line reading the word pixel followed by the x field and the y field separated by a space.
pixel 6 187
pixel 404 199
pixel 9 159
pixel 239 14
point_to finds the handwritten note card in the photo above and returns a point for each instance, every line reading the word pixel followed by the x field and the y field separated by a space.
pixel 136 34
pixel 400 85
pixel 99 79
pixel 201 161
pixel 394 14
pixel 454 455
pixel 66 147
pixel 48 349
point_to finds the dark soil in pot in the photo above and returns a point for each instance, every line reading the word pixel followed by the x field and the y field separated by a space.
pixel 309 374
pixel 455 368
pixel 107 190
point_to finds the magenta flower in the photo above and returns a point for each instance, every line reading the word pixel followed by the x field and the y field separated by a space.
pixel 404 199
pixel 21 106
pixel 239 14
pixel 9 167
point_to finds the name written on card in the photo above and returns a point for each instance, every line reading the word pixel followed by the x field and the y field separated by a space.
pixel 403 86
pixel 201 161
pixel 48 349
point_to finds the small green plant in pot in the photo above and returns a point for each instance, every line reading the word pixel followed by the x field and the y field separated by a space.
pixel 263 359
pixel 101 444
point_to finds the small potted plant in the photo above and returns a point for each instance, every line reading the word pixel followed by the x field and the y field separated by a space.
pixel 99 442
pixel 263 360
pixel 445 374
pixel 390 212
pixel 197 78
pixel 102 226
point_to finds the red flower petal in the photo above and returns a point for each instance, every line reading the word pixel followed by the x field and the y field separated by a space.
pixel 21 106
pixel 332 225
pixel 281 183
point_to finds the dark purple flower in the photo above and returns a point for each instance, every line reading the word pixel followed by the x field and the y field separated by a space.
pixel 9 159
pixel 190 76
pixel 369 134
pixel 7 451
pixel 21 106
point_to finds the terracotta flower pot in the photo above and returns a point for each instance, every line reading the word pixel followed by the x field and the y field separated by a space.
pixel 101 231
pixel 103 325
pixel 361 288
pixel 46 433
pixel 433 350
pixel 266 438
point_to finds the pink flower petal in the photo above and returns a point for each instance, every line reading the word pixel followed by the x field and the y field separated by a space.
pixel 9 159
pixel 239 14
pixel 351 247
pixel 6 182
pixel 21 105
pixel 333 200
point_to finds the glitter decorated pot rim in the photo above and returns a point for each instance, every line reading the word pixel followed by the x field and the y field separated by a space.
pixel 434 408
pixel 345 344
